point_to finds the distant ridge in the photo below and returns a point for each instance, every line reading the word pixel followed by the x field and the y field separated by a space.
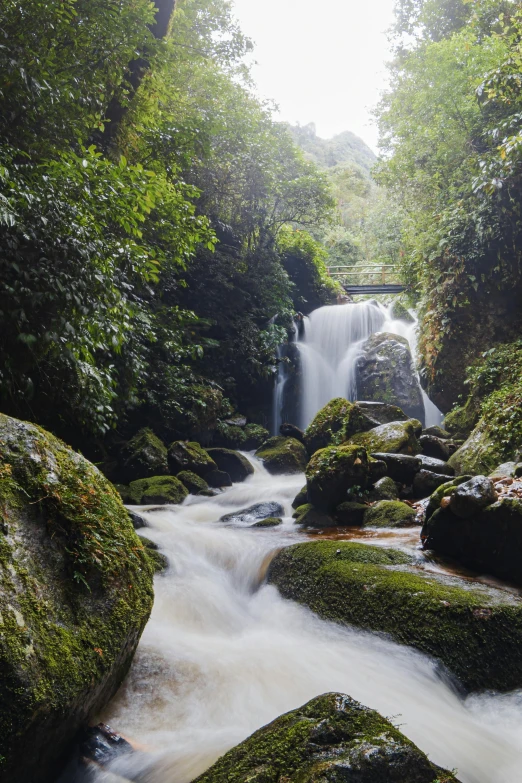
pixel 343 148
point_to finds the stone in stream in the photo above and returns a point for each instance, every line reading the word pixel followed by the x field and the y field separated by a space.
pixel 384 489
pixel 390 513
pixel 507 470
pixel 436 465
pixel 335 423
pixel 401 467
pixel 218 479
pixel 473 629
pixel 142 457
pixel 426 482
pixel 75 594
pixel 397 437
pixel 137 520
pixel 435 447
pixel 232 462
pixel 350 513
pixel 301 498
pixel 190 456
pixel 332 472
pixel 283 455
pixel 164 490
pixel 472 496
pixel 444 491
pixel 309 516
pixel 102 745
pixel 331 739
pixel 192 481
pixel 268 522
pixel 253 513
pixel 255 436
pixel 291 431
pixel 381 412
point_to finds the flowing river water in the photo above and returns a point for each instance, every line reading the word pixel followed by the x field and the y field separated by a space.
pixel 224 654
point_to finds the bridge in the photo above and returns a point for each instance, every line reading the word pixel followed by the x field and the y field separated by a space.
pixel 384 279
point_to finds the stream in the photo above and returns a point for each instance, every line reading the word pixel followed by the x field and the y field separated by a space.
pixel 224 654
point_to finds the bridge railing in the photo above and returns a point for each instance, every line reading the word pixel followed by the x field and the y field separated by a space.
pixel 383 274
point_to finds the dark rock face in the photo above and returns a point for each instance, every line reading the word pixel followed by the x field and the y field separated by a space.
pixel 253 514
pixel 283 455
pixel 268 522
pixel 426 482
pixel 472 496
pixel 436 465
pixel 435 447
pixel 190 456
pixel 232 462
pixel 385 372
pixel 332 739
pixel 142 457
pixel 75 594
pixel 218 479
pixel 401 467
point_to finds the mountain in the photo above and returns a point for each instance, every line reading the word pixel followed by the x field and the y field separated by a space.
pixel 344 148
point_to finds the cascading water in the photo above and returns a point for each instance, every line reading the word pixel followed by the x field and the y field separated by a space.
pixel 224 654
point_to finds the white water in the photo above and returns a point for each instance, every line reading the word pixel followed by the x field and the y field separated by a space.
pixel 333 336
pixel 224 654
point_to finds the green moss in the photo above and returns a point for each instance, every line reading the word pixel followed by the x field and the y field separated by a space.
pixel 312 744
pixel 460 421
pixel 230 436
pixel 190 456
pixel 268 522
pixel 350 513
pixel 256 435
pixel 389 513
pixel 301 498
pixel 192 481
pixel 158 489
pixel 479 454
pixel 283 455
pixel 309 516
pixel 476 631
pixel 334 470
pixel 143 456
pixel 397 437
pixel 445 490
pixel 328 422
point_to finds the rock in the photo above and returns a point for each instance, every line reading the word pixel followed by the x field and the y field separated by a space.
pixel 219 479
pixel 384 489
pixel 332 472
pixel 142 457
pixel 192 481
pixel 331 738
pixel 434 447
pixel 268 522
pixel 301 498
pixel 161 490
pixel 473 629
pixel 389 513
pixel 255 436
pixel 208 493
pixel 385 372
pixel 381 412
pixel 506 470
pixel 253 514
pixel 444 491
pixel 425 483
pixel 397 437
pixel 291 431
pixel 489 542
pixel 472 496
pixel 399 312
pixel 436 465
pixel 335 423
pixel 377 469
pixel 190 456
pixel 309 516
pixel 283 455
pixel 350 514
pixel 124 493
pixel 137 520
pixel 229 436
pixel 159 561
pixel 236 421
pixel 232 462
pixel 461 421
pixel 437 431
pixel 479 454
pixel 102 745
pixel 401 467
pixel 75 594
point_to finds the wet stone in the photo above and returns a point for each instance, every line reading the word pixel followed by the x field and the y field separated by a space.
pixel 435 447
pixel 218 479
pixel 102 745
pixel 436 465
pixel 253 514
pixel 400 467
pixel 426 482
pixel 472 496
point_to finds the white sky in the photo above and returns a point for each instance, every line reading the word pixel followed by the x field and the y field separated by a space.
pixel 321 62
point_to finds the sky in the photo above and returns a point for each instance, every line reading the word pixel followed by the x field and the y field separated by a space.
pixel 321 61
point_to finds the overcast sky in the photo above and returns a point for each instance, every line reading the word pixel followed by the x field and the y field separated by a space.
pixel 322 61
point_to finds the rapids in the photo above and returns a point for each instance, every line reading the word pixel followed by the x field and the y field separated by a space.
pixel 224 654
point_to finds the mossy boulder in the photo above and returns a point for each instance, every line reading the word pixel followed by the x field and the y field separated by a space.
pixel 190 456
pixel 473 629
pixel 192 482
pixel 158 490
pixel 232 462
pixel 445 490
pixel 301 498
pixel 75 594
pixel 461 421
pixel 283 455
pixel 396 437
pixel 384 489
pixel 159 561
pixel 334 424
pixel 309 516
pixel 399 312
pixel 255 436
pixel 332 472
pixel 330 739
pixel 390 513
pixel 350 513
pixel 230 436
pixel 143 456
pixel 381 412
pixel 480 453
pixel 268 522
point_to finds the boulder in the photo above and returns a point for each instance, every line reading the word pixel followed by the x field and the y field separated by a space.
pixel 330 739
pixel 142 457
pixel 439 432
pixel 229 435
pixel 507 470
pixel 399 312
pixel 268 522
pixel 159 561
pixel 444 491
pixel 397 437
pixel 385 372
pixel 192 481
pixel 158 490
pixel 75 594
pixel 218 479
pixel 283 455
pixel 332 472
pixel 138 522
pixel 479 454
pixel 426 482
pixel 350 514
pixel 334 424
pixel 384 489
pixel 473 629
pixel 381 412
pixel 435 447
pixel 255 436
pixel 472 496
pixel 291 431
pixel 232 462
pixel 301 498
pixel 390 513
pixel 401 467
pixel 253 513
pixel 436 465
pixel 309 516
pixel 489 542
pixel 377 469
pixel 190 456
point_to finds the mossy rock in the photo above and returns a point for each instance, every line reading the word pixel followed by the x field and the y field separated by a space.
pixel 192 481
pixel 400 313
pixel 230 436
pixel 232 462
pixel 384 489
pixel 268 522
pixel 124 493
pixel 334 424
pixel 309 516
pixel 396 437
pixel 445 490
pixel 256 435
pixel 143 456
pixel 350 513
pixel 474 630
pixel 190 456
pixel 301 498
pixel 159 561
pixel 331 738
pixel 160 490
pixel 75 594
pixel 480 453
pixel 332 472
pixel 390 513
pixel 461 421
pixel 283 455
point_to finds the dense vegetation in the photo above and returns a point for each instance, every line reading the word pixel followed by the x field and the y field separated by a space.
pixel 143 193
